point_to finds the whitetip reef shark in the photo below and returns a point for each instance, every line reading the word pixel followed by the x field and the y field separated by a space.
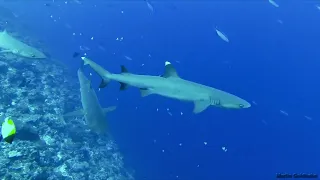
pixel 93 113
pixel 9 44
pixel 172 86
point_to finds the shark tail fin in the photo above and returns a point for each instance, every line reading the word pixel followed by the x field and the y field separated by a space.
pixel 123 86
pixel 104 74
pixel 104 80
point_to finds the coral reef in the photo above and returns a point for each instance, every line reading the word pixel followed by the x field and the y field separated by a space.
pixel 35 94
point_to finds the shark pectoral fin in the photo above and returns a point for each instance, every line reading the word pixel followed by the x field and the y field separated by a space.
pixel 123 86
pixel 170 71
pixel 145 92
pixel 103 83
pixel 200 106
pixel 75 113
pixel 109 109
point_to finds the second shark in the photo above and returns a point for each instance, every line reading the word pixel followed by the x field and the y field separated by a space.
pixel 93 113
pixel 9 44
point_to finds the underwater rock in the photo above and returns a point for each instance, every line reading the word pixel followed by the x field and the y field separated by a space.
pixel 35 95
pixel 3 67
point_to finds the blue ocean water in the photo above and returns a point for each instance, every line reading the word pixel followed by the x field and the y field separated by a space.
pixel 273 64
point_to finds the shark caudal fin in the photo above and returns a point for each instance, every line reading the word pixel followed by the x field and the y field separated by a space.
pixel 123 86
pixel 99 70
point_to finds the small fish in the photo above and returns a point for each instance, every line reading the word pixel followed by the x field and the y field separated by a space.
pixel 68 26
pixel 8 130
pixel 284 113
pixel 264 122
pixel 77 2
pixel 224 149
pixel 222 35
pixel 84 48
pixel 273 3
pixel 128 58
pixel 149 6
pixel 308 118
pixel 101 48
pixel 280 21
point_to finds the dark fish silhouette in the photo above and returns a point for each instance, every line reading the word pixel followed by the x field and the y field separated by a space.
pixel 75 54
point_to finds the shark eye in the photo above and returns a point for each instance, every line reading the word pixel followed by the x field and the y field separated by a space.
pixel 241 105
pixel 32 55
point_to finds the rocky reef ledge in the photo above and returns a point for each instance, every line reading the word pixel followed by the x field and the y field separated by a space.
pixel 35 94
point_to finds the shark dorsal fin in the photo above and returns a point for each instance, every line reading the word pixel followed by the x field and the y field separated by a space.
pixel 124 69
pixel 170 71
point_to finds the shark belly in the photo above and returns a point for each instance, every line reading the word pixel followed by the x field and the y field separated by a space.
pixel 181 90
pixel 94 114
pixel 92 109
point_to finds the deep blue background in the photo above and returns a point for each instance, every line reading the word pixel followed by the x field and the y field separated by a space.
pixel 275 65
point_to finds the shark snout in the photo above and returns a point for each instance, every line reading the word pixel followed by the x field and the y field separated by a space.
pixel 33 55
pixel 237 105
pixel 39 56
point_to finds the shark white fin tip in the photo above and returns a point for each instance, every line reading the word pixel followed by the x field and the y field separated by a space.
pixel 170 71
pixel 83 57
